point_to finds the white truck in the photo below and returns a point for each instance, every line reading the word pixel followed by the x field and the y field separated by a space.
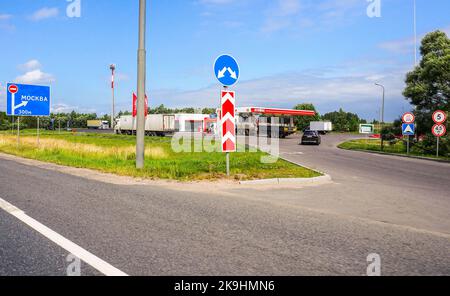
pixel 98 124
pixel 155 125
pixel 321 126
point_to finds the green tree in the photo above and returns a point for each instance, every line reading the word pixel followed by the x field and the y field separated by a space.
pixel 302 122
pixel 343 121
pixel 209 111
pixel 428 86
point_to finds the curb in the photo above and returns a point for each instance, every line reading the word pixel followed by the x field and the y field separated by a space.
pixel 291 181
pixel 400 155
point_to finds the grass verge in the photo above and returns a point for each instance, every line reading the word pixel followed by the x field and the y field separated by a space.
pixel 375 145
pixel 116 154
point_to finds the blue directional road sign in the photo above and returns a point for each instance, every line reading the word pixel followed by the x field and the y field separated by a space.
pixel 28 100
pixel 408 129
pixel 226 70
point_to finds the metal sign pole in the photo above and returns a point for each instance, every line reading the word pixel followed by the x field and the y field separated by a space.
pixel 12 125
pixel 407 146
pixel 18 132
pixel 437 146
pixel 38 132
pixel 228 153
pixel 228 164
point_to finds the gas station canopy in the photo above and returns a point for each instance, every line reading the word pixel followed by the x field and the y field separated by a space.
pixel 276 111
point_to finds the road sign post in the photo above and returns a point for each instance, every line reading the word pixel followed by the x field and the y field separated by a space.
pixel 439 117
pixel 408 127
pixel 27 100
pixel 226 70
pixel 38 132
pixel 228 125
pixel 437 147
pixel 18 132
pixel 366 128
pixel 439 130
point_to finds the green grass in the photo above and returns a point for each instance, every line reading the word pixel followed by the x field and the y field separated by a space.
pixel 375 145
pixel 116 154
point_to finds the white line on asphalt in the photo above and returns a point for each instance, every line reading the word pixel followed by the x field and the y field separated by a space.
pixel 97 263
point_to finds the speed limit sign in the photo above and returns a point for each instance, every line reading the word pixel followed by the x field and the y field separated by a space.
pixel 439 130
pixel 439 117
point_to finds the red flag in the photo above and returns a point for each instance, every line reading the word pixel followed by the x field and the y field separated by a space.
pixel 135 105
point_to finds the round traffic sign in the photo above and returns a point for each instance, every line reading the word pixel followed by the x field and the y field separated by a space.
pixel 13 89
pixel 439 130
pixel 439 116
pixel 226 70
pixel 408 117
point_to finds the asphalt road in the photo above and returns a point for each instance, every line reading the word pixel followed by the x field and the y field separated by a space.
pixel 394 207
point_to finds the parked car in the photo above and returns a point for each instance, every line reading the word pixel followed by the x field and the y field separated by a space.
pixel 311 137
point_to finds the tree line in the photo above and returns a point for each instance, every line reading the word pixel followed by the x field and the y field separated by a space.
pixel 79 120
pixel 342 121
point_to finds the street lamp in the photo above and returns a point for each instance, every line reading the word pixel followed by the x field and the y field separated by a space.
pixel 140 126
pixel 113 68
pixel 415 34
pixel 382 116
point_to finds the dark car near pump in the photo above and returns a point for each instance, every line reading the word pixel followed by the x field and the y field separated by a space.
pixel 311 137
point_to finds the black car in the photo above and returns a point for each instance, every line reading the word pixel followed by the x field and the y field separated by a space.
pixel 311 137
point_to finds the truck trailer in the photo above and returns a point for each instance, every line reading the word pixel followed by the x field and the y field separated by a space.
pixel 321 126
pixel 98 124
pixel 155 125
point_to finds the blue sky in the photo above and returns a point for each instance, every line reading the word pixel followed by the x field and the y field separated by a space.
pixel 327 52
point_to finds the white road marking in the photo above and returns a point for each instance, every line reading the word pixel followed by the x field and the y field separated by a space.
pixel 97 263
pixel 292 153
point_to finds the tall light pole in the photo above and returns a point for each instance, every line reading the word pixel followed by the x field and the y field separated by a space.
pixel 415 34
pixel 113 111
pixel 140 127
pixel 382 116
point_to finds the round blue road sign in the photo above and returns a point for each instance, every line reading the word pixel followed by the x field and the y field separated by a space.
pixel 226 70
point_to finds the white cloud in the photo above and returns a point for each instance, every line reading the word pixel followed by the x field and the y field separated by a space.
pixel 44 13
pixel 65 108
pixel 406 45
pixel 216 2
pixel 279 15
pixel 33 74
pixel 35 77
pixel 30 65
pixel 288 7
pixel 402 46
pixel 328 88
pixel 5 23
pixel 300 14
pixel 4 17
pixel 120 77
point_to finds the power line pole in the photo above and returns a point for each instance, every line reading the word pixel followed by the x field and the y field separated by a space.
pixel 140 118
pixel 113 68
pixel 382 116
